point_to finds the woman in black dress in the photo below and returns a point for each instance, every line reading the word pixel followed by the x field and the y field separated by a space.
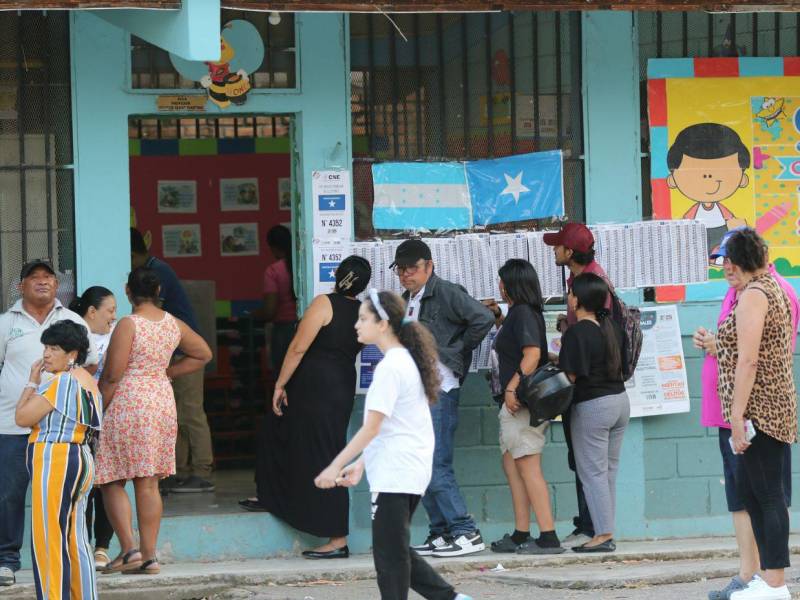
pixel 312 403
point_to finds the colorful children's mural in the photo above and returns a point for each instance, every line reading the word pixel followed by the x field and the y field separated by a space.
pixel 725 147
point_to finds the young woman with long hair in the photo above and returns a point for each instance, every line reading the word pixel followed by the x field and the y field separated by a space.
pixel 591 355
pixel 397 443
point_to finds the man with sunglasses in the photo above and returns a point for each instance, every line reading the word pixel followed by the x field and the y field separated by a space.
pixel 458 324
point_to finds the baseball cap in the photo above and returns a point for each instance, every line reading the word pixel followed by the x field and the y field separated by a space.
pixel 28 267
pixel 721 251
pixel 575 236
pixel 409 252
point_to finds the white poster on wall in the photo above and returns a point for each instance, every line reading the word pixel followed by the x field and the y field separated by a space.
pixel 327 256
pixel 333 205
pixel 659 385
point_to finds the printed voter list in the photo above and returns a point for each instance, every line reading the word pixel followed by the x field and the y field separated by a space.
pixel 333 205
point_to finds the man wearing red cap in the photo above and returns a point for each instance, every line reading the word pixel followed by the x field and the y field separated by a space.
pixel 573 247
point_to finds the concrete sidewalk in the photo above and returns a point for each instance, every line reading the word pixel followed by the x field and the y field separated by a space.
pixel 195 580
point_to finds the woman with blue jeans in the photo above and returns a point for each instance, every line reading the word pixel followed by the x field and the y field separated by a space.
pixel 591 357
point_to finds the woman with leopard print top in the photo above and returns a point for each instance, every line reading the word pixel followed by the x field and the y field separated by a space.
pixel 754 350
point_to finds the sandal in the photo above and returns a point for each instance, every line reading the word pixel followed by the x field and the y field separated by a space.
pixel 101 559
pixel 146 568
pixel 125 564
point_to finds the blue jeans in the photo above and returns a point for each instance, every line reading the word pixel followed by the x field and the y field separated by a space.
pixel 13 488
pixel 443 501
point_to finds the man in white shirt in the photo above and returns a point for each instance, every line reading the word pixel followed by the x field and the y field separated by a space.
pixel 20 330
pixel 458 323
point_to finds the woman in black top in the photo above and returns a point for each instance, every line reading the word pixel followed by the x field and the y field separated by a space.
pixel 311 408
pixel 521 347
pixel 591 356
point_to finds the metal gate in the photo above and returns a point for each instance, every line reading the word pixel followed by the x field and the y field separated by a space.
pixel 36 183
pixel 464 86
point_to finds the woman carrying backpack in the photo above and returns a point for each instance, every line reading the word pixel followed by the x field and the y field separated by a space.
pixel 397 443
pixel 591 356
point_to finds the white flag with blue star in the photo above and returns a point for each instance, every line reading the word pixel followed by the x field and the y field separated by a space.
pixel 516 188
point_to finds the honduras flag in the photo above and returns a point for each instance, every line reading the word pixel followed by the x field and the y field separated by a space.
pixel 331 202
pixel 516 188
pixel 421 195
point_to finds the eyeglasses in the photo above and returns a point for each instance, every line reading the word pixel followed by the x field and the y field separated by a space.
pixel 409 270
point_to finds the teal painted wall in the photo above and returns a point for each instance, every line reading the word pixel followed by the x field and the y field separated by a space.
pixel 669 482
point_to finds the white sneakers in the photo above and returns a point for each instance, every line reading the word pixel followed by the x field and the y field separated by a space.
pixel 758 589
pixel 575 539
pixel 463 597
pixel 431 544
pixel 6 577
pixel 469 543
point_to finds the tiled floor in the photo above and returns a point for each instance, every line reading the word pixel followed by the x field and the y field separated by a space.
pixel 231 486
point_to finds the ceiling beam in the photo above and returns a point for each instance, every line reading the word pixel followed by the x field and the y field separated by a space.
pixel 499 5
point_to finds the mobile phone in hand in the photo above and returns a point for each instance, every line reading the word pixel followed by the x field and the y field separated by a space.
pixel 749 434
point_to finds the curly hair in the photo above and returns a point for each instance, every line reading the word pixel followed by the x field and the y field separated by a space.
pixel 415 338
pixel 747 250
pixel 68 336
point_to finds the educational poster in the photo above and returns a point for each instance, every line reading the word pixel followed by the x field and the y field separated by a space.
pixel 177 196
pixel 333 205
pixel 238 239
pixel 238 194
pixel 659 386
pixel 181 241
pixel 724 136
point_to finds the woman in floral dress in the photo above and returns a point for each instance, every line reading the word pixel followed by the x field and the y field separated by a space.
pixel 140 423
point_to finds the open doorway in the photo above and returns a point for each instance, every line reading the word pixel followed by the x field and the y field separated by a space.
pixel 204 193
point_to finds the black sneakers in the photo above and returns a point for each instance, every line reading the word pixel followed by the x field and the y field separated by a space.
pixel 191 485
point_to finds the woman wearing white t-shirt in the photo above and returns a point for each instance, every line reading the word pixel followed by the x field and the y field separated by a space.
pixel 397 443
pixel 98 307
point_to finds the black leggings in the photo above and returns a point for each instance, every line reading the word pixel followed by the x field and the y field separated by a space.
pixel 398 566
pixel 103 531
pixel 759 478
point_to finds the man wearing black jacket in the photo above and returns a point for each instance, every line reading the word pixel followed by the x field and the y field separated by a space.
pixel 458 323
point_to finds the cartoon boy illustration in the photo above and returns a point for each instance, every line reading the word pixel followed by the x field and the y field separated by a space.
pixel 707 164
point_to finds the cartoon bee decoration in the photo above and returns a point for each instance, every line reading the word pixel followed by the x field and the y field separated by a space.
pixel 227 79
pixel 771 111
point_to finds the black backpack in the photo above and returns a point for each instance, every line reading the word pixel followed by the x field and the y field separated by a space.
pixel 629 320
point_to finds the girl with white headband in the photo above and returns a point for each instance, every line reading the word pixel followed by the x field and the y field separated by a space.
pixel 397 443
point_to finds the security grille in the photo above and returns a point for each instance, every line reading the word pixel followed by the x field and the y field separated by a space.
pixel 36 184
pixel 165 128
pixel 694 34
pixel 464 86
pixel 151 67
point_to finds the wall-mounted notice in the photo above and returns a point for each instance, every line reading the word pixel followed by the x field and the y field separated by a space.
pixel 177 196
pixel 333 206
pixel 238 239
pixel 366 361
pixel 327 256
pixel 181 241
pixel 238 194
pixel 659 386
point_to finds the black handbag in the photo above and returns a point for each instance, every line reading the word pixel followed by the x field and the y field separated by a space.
pixel 547 392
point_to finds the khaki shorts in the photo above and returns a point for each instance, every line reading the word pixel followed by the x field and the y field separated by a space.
pixel 517 437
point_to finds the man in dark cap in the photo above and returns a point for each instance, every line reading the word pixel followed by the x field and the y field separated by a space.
pixel 20 332
pixel 458 323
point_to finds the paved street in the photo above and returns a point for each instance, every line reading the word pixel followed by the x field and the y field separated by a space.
pixel 480 587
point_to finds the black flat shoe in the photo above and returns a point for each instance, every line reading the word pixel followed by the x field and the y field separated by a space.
pixel 252 505
pixel 607 546
pixel 343 552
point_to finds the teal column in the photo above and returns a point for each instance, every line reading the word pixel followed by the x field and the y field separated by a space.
pixel 610 54
pixel 322 129
pixel 191 32
pixel 100 109
pixel 611 116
